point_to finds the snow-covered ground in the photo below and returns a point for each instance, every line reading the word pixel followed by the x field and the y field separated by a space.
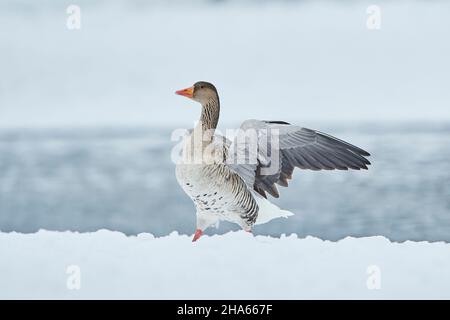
pixel 298 61
pixel 236 265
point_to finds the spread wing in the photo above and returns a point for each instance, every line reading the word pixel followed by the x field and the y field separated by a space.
pixel 265 153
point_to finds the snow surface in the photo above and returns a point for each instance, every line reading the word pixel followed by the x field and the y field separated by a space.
pixel 299 61
pixel 235 265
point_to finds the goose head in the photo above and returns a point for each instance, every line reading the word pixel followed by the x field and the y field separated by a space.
pixel 202 92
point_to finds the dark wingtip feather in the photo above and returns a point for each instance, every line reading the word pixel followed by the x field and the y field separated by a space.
pixel 282 182
pixel 276 122
pixel 274 191
pixel 343 143
pixel 363 153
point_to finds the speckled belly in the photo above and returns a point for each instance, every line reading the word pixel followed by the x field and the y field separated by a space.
pixel 215 189
pixel 209 192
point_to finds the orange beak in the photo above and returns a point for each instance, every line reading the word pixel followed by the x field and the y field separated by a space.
pixel 188 92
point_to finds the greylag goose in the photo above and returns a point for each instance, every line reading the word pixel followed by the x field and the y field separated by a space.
pixel 230 180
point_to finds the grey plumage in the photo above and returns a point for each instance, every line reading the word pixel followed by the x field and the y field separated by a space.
pixel 232 177
pixel 298 147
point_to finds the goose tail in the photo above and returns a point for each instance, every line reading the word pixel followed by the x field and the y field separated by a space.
pixel 268 211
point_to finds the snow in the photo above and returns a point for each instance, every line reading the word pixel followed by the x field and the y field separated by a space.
pixel 236 265
pixel 300 61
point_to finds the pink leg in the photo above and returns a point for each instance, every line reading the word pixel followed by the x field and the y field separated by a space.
pixel 197 235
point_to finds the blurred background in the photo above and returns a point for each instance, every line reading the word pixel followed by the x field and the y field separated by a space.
pixel 86 115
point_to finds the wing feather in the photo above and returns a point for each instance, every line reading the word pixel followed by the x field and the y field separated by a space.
pixel 298 147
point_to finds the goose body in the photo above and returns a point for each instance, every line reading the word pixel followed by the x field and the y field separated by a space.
pixel 236 191
pixel 218 194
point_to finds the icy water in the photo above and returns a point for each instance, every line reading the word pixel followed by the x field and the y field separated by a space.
pixel 123 179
